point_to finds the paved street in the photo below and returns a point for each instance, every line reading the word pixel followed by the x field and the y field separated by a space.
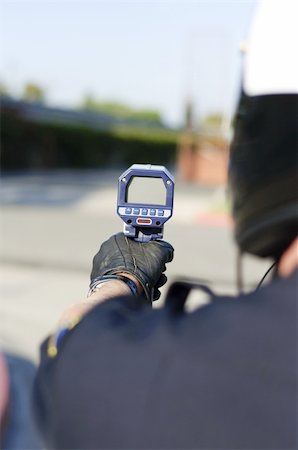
pixel 52 224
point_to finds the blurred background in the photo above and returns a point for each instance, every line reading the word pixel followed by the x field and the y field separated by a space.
pixel 87 89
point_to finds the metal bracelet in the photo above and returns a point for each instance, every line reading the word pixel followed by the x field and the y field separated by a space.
pixel 103 279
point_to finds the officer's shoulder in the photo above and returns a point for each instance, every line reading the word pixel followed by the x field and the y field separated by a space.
pixel 275 302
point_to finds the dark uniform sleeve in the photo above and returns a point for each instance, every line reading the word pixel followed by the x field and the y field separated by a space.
pixel 81 394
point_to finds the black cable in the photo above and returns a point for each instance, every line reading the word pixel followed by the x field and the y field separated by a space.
pixel 239 278
pixel 269 270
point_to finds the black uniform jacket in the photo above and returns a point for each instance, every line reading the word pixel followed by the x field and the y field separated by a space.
pixel 222 377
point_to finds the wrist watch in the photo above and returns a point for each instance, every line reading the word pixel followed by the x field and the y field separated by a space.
pixel 103 279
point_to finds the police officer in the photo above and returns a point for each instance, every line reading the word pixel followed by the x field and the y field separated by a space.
pixel 118 374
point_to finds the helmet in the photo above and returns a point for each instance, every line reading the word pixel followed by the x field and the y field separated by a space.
pixel 263 179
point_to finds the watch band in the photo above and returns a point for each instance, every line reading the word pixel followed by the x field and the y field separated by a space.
pixel 103 279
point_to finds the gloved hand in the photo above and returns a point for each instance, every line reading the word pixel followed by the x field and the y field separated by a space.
pixel 146 261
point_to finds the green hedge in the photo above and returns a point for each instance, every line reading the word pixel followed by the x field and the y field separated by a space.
pixel 29 145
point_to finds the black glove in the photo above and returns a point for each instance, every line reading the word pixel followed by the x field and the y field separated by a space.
pixel 146 261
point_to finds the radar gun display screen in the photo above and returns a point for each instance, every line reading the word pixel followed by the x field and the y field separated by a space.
pixel 148 190
pixel 145 201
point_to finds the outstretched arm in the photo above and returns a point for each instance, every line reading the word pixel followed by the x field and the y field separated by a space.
pixel 83 363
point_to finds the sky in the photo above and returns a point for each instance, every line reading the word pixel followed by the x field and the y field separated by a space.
pixel 155 54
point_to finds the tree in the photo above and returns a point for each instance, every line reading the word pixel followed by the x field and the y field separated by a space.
pixel 3 90
pixel 214 120
pixel 117 109
pixel 148 116
pixel 33 93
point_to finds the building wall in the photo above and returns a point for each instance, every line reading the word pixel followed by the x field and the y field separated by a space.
pixel 202 159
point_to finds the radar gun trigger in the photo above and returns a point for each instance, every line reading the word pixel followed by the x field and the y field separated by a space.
pixel 145 201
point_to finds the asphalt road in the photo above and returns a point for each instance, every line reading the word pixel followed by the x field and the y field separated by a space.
pixel 52 225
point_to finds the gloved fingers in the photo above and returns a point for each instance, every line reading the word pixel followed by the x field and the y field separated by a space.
pixel 161 281
pixel 156 294
pixel 168 250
